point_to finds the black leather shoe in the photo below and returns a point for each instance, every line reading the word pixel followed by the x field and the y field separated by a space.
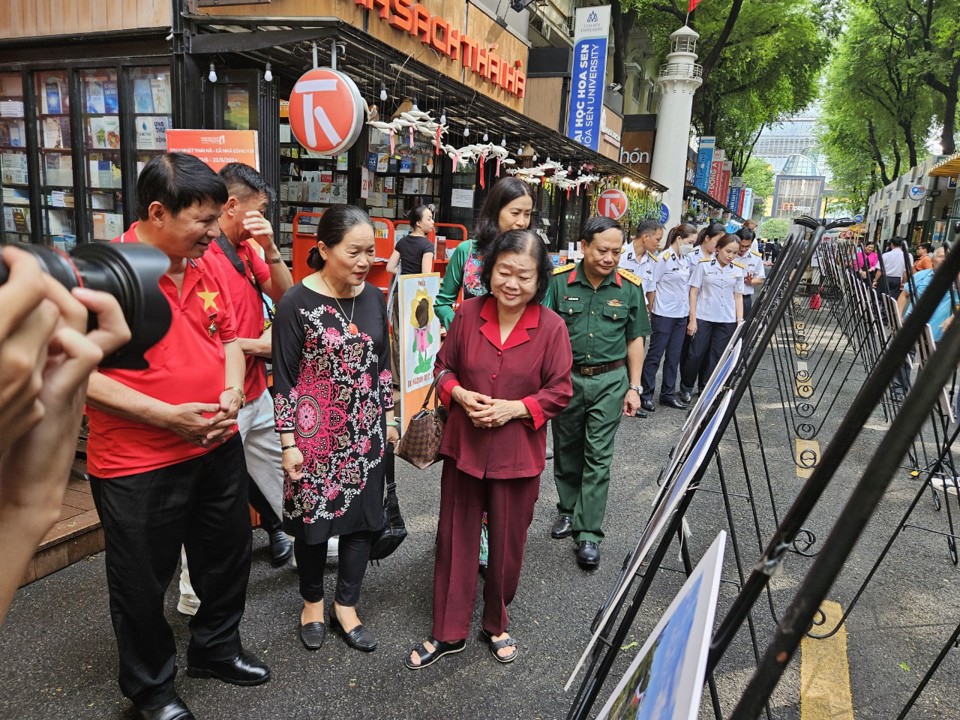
pixel 280 547
pixel 640 414
pixel 648 405
pixel 684 397
pixel 588 554
pixel 244 669
pixel 359 638
pixel 673 403
pixel 173 710
pixel 562 528
pixel 312 635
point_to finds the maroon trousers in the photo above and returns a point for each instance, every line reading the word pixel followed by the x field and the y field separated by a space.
pixel 463 499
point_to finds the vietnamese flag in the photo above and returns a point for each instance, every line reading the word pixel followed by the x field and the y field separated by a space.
pixel 693 6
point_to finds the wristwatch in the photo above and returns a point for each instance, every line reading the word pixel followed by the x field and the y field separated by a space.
pixel 637 389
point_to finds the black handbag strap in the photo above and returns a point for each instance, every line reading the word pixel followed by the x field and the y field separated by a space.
pixel 433 388
pixel 231 252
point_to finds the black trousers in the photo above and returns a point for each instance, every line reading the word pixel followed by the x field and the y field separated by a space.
pixel 667 338
pixel 706 347
pixel 747 304
pixel 352 557
pixel 202 504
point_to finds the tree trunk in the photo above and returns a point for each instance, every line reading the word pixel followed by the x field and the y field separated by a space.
pixel 947 143
pixel 622 27
pixel 907 128
pixel 721 42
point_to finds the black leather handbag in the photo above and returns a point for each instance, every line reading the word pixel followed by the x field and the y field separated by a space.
pixel 394 530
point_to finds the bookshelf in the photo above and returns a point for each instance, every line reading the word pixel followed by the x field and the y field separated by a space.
pixel 55 136
pixel 14 161
pixel 308 184
pixel 407 177
pixel 151 111
pixel 102 144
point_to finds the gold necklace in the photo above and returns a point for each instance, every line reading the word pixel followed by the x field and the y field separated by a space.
pixel 351 327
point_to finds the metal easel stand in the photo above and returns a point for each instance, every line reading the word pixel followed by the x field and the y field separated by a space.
pixel 756 338
pixel 847 433
pixel 865 497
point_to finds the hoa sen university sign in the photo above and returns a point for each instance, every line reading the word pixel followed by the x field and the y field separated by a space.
pixel 439 34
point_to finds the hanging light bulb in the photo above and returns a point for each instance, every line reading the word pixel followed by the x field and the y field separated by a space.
pixel 466 131
pixel 520 150
pixel 383 92
pixel 415 108
pixel 268 74
pixel 212 76
pixel 486 138
pixel 443 116
pixel 503 141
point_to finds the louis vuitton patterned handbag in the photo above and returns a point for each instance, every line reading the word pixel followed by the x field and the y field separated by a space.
pixel 420 444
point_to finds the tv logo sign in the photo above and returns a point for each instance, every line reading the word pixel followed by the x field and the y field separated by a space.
pixel 326 111
pixel 613 204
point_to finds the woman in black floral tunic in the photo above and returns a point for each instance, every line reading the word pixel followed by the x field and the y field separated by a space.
pixel 334 404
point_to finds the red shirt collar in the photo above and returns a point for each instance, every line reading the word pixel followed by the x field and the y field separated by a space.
pixel 519 335
pixel 613 277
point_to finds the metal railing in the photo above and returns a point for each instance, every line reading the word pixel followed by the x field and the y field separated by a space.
pixel 681 71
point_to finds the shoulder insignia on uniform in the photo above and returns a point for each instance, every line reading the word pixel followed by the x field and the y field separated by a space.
pixel 629 276
pixel 653 257
pixel 666 255
pixel 703 260
pixel 736 264
pixel 564 268
pixel 754 252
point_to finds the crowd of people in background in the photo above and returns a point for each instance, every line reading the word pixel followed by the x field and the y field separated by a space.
pixel 179 450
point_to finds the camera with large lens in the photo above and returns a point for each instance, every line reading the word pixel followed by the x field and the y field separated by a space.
pixel 131 273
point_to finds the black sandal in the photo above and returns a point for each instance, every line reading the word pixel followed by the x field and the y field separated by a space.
pixel 496 645
pixel 439 650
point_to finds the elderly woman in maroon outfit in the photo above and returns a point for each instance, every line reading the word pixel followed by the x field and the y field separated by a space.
pixel 509 365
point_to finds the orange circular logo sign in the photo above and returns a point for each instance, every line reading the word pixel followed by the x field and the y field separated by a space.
pixel 326 111
pixel 613 203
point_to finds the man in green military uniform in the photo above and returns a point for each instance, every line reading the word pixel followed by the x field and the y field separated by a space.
pixel 607 320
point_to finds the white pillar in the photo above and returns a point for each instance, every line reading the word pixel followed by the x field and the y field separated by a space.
pixel 679 78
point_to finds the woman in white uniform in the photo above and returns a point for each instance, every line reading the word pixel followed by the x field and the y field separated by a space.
pixel 716 307
pixel 706 242
pixel 669 316
pixel 703 248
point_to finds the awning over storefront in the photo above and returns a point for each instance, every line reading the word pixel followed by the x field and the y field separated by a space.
pixel 947 168
pixel 692 191
pixel 288 45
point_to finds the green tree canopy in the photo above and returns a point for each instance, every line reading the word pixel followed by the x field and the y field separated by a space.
pixel 759 175
pixel 760 61
pixel 775 228
pixel 877 111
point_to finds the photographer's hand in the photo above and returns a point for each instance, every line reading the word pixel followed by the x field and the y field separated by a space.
pixel 35 468
pixel 26 326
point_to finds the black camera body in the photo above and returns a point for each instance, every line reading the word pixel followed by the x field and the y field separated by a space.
pixel 130 272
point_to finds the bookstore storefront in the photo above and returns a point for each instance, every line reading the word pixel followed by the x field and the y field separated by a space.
pixel 74 127
pixel 78 118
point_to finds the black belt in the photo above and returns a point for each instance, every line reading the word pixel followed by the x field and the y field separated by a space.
pixel 599 369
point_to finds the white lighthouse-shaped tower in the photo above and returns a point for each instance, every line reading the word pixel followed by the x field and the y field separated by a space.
pixel 679 78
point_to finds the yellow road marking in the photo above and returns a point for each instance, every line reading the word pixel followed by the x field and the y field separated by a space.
pixel 825 672
pixel 808 453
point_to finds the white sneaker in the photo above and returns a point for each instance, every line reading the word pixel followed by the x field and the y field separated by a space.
pixel 188 605
pixel 945 484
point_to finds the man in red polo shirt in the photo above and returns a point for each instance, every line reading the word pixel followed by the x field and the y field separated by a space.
pixel 166 465
pixel 250 280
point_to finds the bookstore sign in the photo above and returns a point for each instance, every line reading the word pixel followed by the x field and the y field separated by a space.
pixel 326 111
